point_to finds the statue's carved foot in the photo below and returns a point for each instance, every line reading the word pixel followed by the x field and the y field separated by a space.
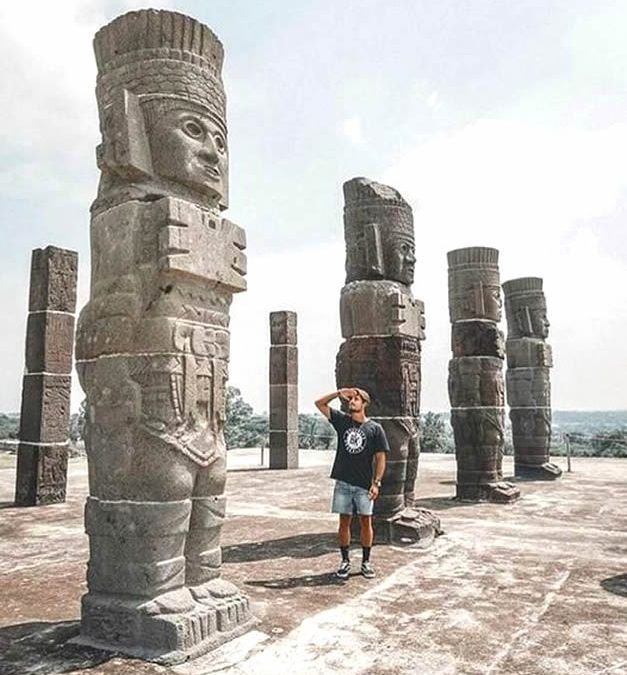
pixel 546 471
pixel 178 601
pixel 215 589
pixel 503 492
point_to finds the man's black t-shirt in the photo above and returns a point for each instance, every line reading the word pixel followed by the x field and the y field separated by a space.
pixel 356 445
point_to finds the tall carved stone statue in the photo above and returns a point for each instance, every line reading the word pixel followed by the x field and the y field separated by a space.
pixel 383 325
pixel 153 343
pixel 475 380
pixel 529 359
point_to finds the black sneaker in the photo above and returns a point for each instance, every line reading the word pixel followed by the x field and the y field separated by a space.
pixel 344 570
pixel 367 570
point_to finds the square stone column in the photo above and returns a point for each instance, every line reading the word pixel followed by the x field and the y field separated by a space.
pixel 283 391
pixel 45 411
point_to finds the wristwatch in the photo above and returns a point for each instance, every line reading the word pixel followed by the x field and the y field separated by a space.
pixel 376 482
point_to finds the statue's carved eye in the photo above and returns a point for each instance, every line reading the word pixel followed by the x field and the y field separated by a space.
pixel 220 144
pixel 193 129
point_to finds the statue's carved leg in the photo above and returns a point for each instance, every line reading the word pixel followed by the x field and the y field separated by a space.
pixel 137 552
pixel 412 470
pixel 203 556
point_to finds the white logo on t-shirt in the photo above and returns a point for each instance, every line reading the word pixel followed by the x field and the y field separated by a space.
pixel 354 440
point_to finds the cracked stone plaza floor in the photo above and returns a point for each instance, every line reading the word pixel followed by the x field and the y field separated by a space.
pixel 538 586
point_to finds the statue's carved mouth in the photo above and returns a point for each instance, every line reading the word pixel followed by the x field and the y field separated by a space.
pixel 211 171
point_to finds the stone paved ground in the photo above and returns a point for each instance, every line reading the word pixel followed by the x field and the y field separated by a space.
pixel 539 586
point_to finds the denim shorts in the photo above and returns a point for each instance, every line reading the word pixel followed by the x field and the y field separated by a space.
pixel 351 499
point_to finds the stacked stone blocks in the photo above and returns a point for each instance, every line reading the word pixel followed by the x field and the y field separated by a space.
pixel 283 390
pixel 45 410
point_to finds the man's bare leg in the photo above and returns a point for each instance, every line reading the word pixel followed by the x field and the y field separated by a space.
pixel 367 537
pixel 344 537
pixel 367 533
pixel 344 532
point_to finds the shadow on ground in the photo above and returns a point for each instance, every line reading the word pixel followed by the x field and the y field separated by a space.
pixel 307 581
pixel 616 585
pixel 297 546
pixel 41 647
pixel 441 503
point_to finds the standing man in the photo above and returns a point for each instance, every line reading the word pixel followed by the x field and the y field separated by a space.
pixel 358 470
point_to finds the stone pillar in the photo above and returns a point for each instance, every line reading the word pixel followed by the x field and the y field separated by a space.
pixel 383 326
pixel 45 414
pixel 153 344
pixel 475 379
pixel 283 391
pixel 529 359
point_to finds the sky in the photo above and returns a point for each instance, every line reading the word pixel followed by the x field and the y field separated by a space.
pixel 503 124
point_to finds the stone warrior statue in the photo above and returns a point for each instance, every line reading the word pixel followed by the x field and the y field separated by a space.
pixel 529 359
pixel 475 379
pixel 383 326
pixel 153 343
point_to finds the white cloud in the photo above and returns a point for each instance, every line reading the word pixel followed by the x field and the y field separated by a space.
pixel 433 101
pixel 353 131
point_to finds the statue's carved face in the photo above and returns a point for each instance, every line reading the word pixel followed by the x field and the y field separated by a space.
pixel 492 301
pixel 190 148
pixel 401 259
pixel 533 321
pixel 540 322
pixel 483 300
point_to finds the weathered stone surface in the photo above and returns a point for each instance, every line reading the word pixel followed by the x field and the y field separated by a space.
pixel 529 353
pixel 477 338
pixel 388 368
pixel 476 381
pixel 283 407
pixel 49 342
pixel 153 344
pixel 41 474
pixel 53 277
pixel 283 328
pixel 45 411
pixel 283 449
pixel 379 233
pixel 525 308
pixel 370 308
pixel 476 389
pixel 528 387
pixel 531 435
pixel 397 490
pixel 474 287
pixel 529 358
pixel 479 452
pixel 284 364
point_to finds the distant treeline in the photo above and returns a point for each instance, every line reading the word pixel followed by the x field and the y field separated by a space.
pixel 601 433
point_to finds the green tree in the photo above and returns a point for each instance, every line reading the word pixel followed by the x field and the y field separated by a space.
pixel 314 432
pixel 9 425
pixel 243 429
pixel 77 423
pixel 436 435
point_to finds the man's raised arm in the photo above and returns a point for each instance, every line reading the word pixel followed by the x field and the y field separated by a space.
pixel 323 403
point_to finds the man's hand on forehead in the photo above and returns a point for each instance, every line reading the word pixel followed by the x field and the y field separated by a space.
pixel 348 393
